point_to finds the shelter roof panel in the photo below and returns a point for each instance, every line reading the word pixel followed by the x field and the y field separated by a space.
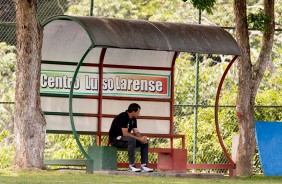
pixel 64 41
pixel 137 57
pixel 165 36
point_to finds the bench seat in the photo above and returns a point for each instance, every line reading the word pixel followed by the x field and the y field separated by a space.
pixel 105 158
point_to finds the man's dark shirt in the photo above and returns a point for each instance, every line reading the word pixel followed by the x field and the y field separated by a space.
pixel 121 121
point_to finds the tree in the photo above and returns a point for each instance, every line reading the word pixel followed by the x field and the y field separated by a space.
pixel 250 76
pixel 29 120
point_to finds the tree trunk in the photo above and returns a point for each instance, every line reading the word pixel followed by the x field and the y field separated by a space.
pixel 29 120
pixel 250 77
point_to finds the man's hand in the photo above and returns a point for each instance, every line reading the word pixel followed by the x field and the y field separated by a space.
pixel 143 139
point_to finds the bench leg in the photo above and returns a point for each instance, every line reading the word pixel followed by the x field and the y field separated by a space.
pixel 89 166
pixel 173 162
pixel 105 157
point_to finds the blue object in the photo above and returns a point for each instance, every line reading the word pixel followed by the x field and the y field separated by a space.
pixel 269 141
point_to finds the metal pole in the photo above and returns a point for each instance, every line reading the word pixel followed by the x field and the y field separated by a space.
pixel 196 101
pixel 91 7
pixel 71 106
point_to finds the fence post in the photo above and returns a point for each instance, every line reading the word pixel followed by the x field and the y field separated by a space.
pixel 196 101
pixel 91 7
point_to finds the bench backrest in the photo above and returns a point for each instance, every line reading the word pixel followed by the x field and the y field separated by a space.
pixel 56 114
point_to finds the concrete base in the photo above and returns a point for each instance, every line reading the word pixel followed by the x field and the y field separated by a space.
pixel 105 157
pixel 89 166
pixel 163 174
pixel 173 162
pixel 153 174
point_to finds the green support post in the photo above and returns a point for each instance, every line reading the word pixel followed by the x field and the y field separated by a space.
pixel 196 101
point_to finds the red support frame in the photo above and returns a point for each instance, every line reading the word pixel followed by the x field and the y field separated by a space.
pixel 172 97
pixel 100 96
pixel 216 111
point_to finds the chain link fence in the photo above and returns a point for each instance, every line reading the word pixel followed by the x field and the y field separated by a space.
pixel 194 100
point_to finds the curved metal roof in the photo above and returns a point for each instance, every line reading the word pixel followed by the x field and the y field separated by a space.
pixel 146 35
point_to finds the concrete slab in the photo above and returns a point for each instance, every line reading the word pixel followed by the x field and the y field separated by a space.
pixel 163 174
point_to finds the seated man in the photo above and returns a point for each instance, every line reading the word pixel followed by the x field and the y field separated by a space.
pixel 120 136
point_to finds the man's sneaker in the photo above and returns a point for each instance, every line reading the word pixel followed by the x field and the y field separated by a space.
pixel 144 168
pixel 132 168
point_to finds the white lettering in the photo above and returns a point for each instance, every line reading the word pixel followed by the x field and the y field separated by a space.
pixel 152 86
pixel 58 82
pixel 159 86
pixel 136 85
pixel 43 81
pixel 91 83
pixel 111 85
pixel 144 85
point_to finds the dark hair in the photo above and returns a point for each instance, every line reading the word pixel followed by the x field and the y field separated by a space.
pixel 134 107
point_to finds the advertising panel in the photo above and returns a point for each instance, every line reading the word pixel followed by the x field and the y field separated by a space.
pixel 113 83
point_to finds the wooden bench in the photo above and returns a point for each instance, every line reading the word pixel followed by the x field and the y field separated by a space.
pixel 105 157
pixel 169 159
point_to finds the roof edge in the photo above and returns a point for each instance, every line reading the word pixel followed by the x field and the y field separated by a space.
pixel 72 18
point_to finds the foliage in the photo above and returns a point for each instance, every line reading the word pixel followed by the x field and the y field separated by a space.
pixel 137 9
pixel 270 95
pixel 156 10
pixel 208 149
pixel 6 155
pixel 7 86
pixel 259 20
pixel 61 146
pixel 203 4
pixel 7 71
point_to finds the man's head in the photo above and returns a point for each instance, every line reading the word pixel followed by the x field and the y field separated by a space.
pixel 134 110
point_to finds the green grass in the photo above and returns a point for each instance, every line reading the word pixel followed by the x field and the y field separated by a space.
pixel 55 177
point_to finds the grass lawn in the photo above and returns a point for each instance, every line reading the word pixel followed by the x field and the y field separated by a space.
pixel 83 178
